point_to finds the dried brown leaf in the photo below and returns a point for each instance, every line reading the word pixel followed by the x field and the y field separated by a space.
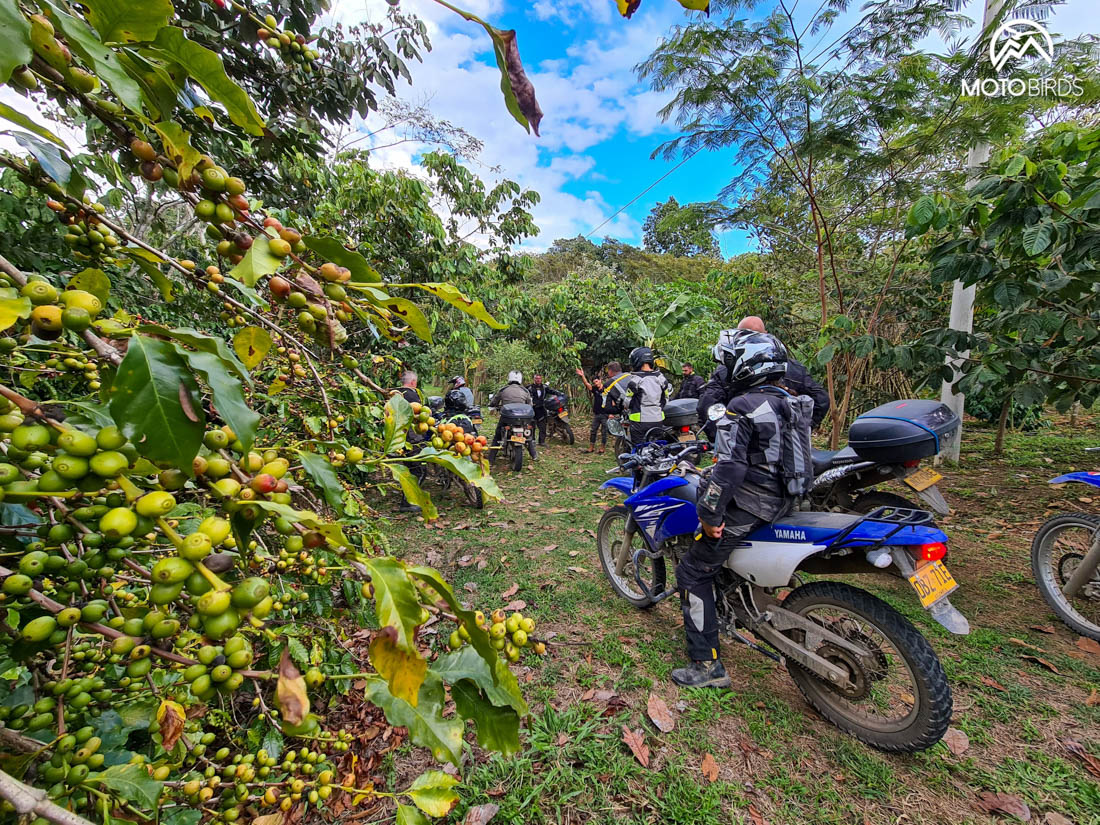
pixel 755 815
pixel 709 768
pixel 290 691
pixel 1092 764
pixel 659 714
pixel 1003 803
pixel 956 741
pixel 549 548
pixel 1026 645
pixel 1042 628
pixel 1053 818
pixel 1042 662
pixel 276 818
pixel 510 592
pixel 1088 645
pixel 171 716
pixel 481 814
pixel 1093 699
pixel 993 683
pixel 516 604
pixel 635 740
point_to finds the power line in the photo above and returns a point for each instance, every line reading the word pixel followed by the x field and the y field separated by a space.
pixel 639 195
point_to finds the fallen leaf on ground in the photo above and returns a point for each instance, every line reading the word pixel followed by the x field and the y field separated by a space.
pixel 709 768
pixel 517 604
pixel 1092 764
pixel 563 739
pixel 635 740
pixel 574 553
pixel 755 815
pixel 1094 698
pixel 660 714
pixel 1003 803
pixel 465 561
pixel 1053 818
pixel 1042 662
pixel 549 548
pixel 510 592
pixel 576 570
pixel 481 814
pixel 993 683
pixel 1042 628
pixel 470 587
pixel 957 742
pixel 1088 645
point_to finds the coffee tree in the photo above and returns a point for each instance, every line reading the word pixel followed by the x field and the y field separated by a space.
pixel 180 556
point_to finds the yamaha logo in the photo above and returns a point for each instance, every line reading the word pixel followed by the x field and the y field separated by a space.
pixel 1018 38
pixel 790 535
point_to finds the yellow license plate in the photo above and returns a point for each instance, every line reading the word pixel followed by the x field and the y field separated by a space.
pixel 923 479
pixel 932 581
pixel 477 420
pixel 563 416
pixel 519 439
pixel 687 437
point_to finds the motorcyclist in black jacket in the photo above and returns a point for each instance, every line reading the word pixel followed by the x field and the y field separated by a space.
pixel 692 384
pixel 744 489
pixel 797 379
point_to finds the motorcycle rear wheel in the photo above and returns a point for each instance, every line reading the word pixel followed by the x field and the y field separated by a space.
pixel 474 496
pixel 1059 542
pixel 609 536
pixel 517 458
pixel 567 433
pixel 868 502
pixel 903 670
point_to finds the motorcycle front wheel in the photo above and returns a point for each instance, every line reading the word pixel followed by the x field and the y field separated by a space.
pixel 610 537
pixel 897 698
pixel 1057 550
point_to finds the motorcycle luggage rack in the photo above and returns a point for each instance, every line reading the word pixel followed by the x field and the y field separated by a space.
pixel 901 517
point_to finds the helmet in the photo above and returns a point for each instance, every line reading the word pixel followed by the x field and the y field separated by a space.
pixel 458 381
pixel 515 377
pixel 750 358
pixel 640 356
pixel 455 400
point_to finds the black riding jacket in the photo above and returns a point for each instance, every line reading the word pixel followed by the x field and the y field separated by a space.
pixel 798 380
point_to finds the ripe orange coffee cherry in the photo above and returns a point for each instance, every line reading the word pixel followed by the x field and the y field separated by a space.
pixel 142 150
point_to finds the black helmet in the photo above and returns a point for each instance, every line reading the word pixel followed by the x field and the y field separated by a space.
pixel 456 400
pixel 640 356
pixel 751 358
pixel 457 381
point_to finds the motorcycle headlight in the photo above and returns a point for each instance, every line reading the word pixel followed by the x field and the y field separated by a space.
pixel 716 411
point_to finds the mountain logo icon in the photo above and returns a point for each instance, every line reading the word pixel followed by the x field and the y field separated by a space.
pixel 1015 38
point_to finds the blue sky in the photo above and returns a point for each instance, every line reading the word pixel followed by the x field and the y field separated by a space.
pixel 600 125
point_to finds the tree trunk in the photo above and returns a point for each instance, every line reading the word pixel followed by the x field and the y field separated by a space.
pixel 999 442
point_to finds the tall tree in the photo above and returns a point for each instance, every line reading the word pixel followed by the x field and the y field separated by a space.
pixel 679 230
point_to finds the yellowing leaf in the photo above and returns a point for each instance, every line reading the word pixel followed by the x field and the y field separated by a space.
pixel 290 692
pixel 13 307
pixel 251 345
pixel 431 792
pixel 171 716
pixel 403 670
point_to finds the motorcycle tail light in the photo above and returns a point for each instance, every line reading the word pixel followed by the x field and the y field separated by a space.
pixel 685 429
pixel 914 463
pixel 932 552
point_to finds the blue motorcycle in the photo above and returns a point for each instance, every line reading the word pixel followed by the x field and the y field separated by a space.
pixel 1065 559
pixel 855 659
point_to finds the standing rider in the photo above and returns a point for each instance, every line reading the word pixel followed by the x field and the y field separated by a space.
pixel 647 390
pixel 692 383
pixel 745 489
pixel 601 405
pixel 539 391
pixel 459 383
pixel 511 393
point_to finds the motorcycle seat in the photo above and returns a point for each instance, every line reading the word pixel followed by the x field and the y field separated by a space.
pixel 827 459
pixel 806 526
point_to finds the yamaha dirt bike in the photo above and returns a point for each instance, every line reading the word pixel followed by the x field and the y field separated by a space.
pixel 1065 560
pixel 855 659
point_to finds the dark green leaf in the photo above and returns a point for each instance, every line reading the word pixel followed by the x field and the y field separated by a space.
pixel 228 393
pixel 497 727
pixel 1037 237
pixel 479 638
pixel 213 344
pixel 921 213
pixel 425 722
pixel 332 250
pixel 180 815
pixel 15 39
pixel 463 467
pixel 396 602
pixel 130 782
pixel 101 60
pixel 307 518
pixel 466 664
pixel 124 21
pixel 206 68
pixel 322 472
pixel 20 119
pixel 826 354
pixel 155 402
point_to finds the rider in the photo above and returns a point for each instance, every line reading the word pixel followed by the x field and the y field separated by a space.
pixel 459 383
pixel 602 406
pixel 457 410
pixel 511 393
pixel 539 391
pixel 691 385
pixel 745 488
pixel 647 390
pixel 798 381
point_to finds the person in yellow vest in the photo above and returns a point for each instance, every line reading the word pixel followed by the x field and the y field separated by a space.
pixel 646 390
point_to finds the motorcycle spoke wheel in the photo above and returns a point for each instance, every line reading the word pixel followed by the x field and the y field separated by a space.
pixel 609 542
pixel 1056 552
pixel 897 697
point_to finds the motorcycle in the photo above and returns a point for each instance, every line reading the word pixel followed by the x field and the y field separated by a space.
pixel 441 475
pixel 557 411
pixel 680 425
pixel 517 430
pixel 1065 560
pixel 855 659
pixel 884 444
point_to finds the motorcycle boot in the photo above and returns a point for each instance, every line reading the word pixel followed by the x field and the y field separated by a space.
pixel 702 674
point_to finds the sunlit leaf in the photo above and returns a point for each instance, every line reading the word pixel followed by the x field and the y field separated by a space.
pixel 124 21
pixel 13 307
pixel 456 298
pixel 413 492
pixel 332 250
pixel 94 281
pixel 431 792
pixel 403 670
pixel 251 345
pixel 178 148
pixel 396 602
pixel 256 263
pixel 15 39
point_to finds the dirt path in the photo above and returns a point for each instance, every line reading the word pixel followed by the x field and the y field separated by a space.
pixel 774 760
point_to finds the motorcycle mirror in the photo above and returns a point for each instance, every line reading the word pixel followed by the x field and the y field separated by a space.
pixel 715 411
pixel 615 427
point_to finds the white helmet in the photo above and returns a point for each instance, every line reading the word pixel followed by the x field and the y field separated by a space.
pixel 515 377
pixel 750 358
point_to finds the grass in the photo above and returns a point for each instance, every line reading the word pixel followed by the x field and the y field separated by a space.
pixel 777 760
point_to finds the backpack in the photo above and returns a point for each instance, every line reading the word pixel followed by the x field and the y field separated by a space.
pixel 796 462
